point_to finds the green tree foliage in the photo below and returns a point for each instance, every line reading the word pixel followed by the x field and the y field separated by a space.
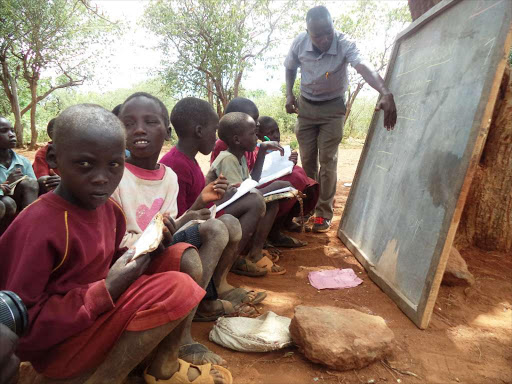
pixel 38 36
pixel 209 44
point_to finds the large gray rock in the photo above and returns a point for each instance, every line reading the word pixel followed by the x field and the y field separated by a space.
pixel 340 338
pixel 456 272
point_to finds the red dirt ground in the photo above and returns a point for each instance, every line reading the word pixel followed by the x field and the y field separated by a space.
pixel 469 339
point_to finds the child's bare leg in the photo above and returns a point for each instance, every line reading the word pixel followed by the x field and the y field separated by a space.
pixel 7 212
pixel 26 192
pixel 229 255
pixel 132 347
pixel 262 232
pixel 249 210
pixel 165 363
pixel 200 266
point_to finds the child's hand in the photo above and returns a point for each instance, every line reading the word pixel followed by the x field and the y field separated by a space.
pixel 201 214
pixel 5 189
pixel 14 175
pixel 215 190
pixel 124 272
pixel 271 146
pixel 48 183
pixel 169 231
pixel 294 156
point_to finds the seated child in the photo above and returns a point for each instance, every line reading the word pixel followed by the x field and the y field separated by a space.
pixel 286 207
pixel 195 123
pixel 93 312
pixel 148 187
pixel 47 178
pixel 268 128
pixel 13 167
pixel 238 131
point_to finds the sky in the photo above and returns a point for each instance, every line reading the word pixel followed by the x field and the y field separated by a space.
pixel 135 56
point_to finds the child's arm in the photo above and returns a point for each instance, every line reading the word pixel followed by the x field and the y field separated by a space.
pixel 294 157
pixel 258 164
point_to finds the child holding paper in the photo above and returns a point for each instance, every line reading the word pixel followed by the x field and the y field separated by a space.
pixel 238 131
pixel 93 313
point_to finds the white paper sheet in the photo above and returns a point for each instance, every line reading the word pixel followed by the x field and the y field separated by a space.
pixel 245 187
pixel 276 166
pixel 281 190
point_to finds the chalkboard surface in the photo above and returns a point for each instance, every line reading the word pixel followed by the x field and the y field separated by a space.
pixel 411 183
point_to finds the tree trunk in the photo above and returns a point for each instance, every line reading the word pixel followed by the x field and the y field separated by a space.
pixel 11 90
pixel 419 7
pixel 487 217
pixel 15 106
pixel 351 98
pixel 33 129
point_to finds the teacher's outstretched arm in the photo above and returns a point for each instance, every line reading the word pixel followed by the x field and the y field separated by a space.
pixel 386 102
pixel 291 102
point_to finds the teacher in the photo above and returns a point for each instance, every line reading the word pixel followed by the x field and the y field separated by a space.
pixel 323 54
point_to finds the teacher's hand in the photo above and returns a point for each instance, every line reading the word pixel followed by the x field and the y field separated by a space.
pixel 387 104
pixel 291 104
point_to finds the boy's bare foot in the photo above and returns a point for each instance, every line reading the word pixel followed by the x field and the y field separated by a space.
pixel 197 353
pixel 192 373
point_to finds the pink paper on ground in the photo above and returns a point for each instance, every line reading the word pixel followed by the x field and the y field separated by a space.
pixel 334 279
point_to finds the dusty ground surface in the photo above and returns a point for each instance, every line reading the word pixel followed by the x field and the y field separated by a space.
pixel 469 339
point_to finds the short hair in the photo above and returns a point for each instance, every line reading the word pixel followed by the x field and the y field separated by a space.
pixel 232 124
pixel 241 104
pixel 318 13
pixel 163 108
pixel 117 109
pixel 266 121
pixel 190 112
pixel 85 116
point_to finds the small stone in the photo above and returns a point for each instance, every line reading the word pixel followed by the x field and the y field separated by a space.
pixel 456 272
pixel 339 338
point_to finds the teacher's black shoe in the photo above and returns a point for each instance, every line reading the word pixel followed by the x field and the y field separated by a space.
pixel 321 225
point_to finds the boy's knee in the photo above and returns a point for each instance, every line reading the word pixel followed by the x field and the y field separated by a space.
pixel 9 207
pixel 257 204
pixel 214 230
pixel 191 264
pixel 29 185
pixel 233 226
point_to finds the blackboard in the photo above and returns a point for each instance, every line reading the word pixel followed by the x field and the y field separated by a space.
pixel 411 183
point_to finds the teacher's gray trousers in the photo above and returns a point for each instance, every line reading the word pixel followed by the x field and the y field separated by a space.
pixel 319 132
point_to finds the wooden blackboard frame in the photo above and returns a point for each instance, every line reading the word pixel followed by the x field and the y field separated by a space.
pixel 421 313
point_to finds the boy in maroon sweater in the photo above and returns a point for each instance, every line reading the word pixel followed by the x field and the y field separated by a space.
pixel 95 314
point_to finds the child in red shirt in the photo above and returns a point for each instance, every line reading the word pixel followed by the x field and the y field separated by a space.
pixel 47 177
pixel 88 302
pixel 195 123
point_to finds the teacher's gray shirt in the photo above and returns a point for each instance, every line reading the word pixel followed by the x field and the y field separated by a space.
pixel 323 76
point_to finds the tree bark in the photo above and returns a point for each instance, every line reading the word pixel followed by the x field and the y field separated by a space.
pixel 33 129
pixel 11 91
pixel 487 217
pixel 419 7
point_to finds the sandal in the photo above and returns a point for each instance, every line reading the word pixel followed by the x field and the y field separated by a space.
pixel 194 353
pixel 272 268
pixel 292 226
pixel 181 377
pixel 228 310
pixel 245 267
pixel 271 254
pixel 285 241
pixel 240 295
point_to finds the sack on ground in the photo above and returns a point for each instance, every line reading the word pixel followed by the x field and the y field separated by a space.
pixel 268 332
